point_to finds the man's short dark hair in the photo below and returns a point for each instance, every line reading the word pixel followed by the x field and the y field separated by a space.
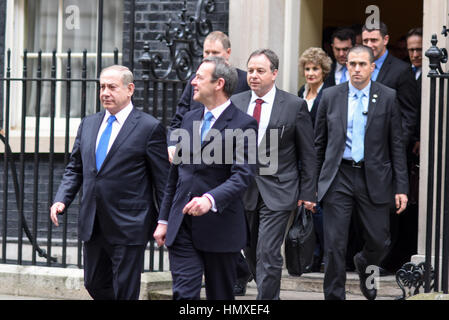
pixel 270 54
pixel 343 34
pixel 225 71
pixel 361 48
pixel 383 29
pixel 414 32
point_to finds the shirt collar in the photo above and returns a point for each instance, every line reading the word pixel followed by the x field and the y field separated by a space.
pixel 354 91
pixel 216 112
pixel 268 98
pixel 121 115
pixel 339 67
pixel 306 89
pixel 379 62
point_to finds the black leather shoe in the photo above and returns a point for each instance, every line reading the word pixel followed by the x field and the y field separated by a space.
pixel 239 289
pixel 360 267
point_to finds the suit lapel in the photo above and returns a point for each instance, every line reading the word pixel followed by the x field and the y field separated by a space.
pixel 343 97
pixel 372 103
pixel 243 101
pixel 384 70
pixel 197 116
pixel 276 110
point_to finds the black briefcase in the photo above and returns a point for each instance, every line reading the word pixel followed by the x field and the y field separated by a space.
pixel 300 242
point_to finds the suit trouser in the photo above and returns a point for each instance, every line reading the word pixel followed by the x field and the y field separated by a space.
pixel 188 264
pixel 347 192
pixel 267 232
pixel 112 272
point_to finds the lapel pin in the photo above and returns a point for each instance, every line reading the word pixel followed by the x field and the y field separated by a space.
pixel 375 95
pixel 374 100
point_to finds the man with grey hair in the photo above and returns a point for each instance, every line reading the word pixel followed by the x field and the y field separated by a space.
pixel 119 158
pixel 271 197
pixel 202 220
pixel 361 165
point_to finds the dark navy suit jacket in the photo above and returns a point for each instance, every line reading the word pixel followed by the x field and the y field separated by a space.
pixel 226 229
pixel 129 185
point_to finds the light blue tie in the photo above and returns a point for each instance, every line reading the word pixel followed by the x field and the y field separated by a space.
pixel 102 148
pixel 206 125
pixel 358 130
pixel 343 75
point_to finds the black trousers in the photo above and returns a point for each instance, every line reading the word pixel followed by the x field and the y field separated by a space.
pixel 112 272
pixel 348 194
pixel 188 265
pixel 242 270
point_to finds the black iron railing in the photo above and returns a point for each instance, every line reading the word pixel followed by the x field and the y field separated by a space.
pixel 30 178
pixel 434 275
pixel 438 229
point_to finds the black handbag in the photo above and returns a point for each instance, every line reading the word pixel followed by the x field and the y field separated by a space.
pixel 300 242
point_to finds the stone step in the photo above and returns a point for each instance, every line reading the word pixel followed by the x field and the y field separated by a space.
pixel 313 282
pixel 307 287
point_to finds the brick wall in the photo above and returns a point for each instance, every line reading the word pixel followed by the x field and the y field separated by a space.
pixel 150 19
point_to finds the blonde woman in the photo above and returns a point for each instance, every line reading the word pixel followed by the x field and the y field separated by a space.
pixel 316 66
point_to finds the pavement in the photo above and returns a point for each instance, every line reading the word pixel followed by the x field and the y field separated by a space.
pixel 306 287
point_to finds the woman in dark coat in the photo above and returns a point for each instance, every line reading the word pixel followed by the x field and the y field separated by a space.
pixel 316 65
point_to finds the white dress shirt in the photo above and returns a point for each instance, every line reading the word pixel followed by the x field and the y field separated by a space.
pixel 265 113
pixel 121 116
pixel 306 92
pixel 216 112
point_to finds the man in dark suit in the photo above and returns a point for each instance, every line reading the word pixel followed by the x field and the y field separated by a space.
pixel 398 75
pixel 414 47
pixel 202 220
pixel 342 40
pixel 285 139
pixel 119 158
pixel 215 44
pixel 361 163
pixel 407 223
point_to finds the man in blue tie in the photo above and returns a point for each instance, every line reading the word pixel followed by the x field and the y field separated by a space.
pixel 361 164
pixel 202 220
pixel 119 158
pixel 395 74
